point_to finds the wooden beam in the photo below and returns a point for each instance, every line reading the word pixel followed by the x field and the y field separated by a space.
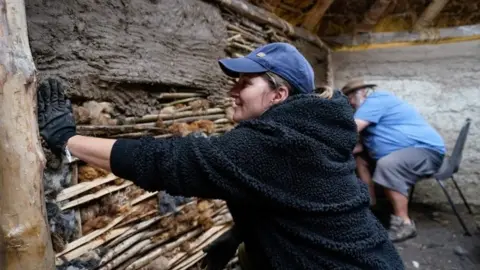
pixel 25 242
pixel 314 16
pixel 395 39
pixel 373 16
pixel 261 16
pixel 429 14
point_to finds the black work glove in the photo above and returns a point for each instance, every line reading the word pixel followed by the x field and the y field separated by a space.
pixel 55 115
pixel 220 251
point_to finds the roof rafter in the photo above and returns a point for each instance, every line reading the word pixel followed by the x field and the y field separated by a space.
pixel 314 17
pixel 429 14
pixel 373 16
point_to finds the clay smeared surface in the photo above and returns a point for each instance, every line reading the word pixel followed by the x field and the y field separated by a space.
pixel 122 51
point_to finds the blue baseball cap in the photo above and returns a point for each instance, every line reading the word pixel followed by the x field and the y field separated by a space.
pixel 279 58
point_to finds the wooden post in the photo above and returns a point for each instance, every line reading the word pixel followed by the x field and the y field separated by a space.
pixel 429 14
pixel 25 242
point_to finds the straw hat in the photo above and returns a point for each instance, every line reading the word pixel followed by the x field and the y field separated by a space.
pixel 354 85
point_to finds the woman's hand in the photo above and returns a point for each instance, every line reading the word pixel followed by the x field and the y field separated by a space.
pixel 55 115
pixel 57 127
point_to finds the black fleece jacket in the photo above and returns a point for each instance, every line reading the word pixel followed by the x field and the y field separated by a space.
pixel 288 178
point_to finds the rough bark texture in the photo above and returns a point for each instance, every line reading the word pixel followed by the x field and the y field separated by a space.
pixel 24 238
pixel 123 51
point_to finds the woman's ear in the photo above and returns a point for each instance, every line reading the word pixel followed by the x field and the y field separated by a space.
pixel 280 94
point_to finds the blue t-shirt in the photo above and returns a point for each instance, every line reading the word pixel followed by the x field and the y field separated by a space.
pixel 394 125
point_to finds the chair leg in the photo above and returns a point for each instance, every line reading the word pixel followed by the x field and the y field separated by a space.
pixel 463 197
pixel 467 232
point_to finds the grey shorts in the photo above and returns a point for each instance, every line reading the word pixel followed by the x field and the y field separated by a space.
pixel 401 169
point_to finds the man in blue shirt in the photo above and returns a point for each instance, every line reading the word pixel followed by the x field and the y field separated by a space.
pixel 403 145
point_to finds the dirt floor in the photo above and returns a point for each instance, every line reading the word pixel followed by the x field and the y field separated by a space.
pixel 441 243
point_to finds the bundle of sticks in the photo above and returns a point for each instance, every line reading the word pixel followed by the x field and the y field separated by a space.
pixel 128 228
pixel 187 113
pixel 245 36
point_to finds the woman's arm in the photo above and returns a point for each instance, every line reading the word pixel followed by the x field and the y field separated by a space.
pixel 95 151
pixel 218 167
pixel 186 166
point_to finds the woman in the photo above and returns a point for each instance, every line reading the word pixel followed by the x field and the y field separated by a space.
pixel 286 171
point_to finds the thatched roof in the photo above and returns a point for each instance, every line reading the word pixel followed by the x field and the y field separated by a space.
pixel 337 17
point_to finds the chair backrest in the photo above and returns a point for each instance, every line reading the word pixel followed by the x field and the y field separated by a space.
pixel 457 152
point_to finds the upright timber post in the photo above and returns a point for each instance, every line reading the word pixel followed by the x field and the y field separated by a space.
pixel 25 242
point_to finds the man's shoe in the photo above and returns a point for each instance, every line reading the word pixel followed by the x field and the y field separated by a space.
pixel 400 230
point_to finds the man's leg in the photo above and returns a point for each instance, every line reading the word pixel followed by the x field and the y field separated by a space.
pixel 363 171
pixel 397 172
pixel 400 204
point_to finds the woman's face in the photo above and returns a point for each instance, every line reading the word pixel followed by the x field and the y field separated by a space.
pixel 252 96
